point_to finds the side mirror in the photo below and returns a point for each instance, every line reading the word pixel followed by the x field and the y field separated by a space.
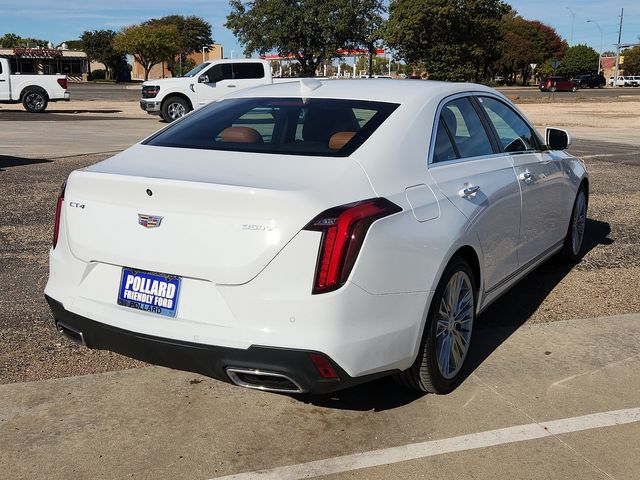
pixel 203 78
pixel 557 139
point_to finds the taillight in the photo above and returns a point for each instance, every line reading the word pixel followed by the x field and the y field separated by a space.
pixel 62 82
pixel 343 230
pixel 56 226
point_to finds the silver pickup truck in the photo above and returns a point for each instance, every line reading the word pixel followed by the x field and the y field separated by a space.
pixel 33 91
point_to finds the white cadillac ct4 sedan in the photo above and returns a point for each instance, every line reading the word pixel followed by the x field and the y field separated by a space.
pixel 310 236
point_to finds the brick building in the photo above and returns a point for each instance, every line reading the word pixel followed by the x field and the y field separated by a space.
pixel 161 70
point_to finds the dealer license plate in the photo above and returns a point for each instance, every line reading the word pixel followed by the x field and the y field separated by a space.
pixel 150 292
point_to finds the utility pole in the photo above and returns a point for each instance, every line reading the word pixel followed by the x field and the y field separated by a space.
pixel 573 21
pixel 615 78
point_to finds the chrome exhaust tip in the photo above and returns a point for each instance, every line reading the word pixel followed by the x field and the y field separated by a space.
pixel 261 380
pixel 71 333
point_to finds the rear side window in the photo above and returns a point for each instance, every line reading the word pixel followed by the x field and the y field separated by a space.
pixel 247 70
pixel 513 132
pixel 444 149
pixel 465 127
pixel 293 126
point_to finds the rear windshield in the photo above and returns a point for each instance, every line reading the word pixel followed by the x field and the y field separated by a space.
pixel 292 126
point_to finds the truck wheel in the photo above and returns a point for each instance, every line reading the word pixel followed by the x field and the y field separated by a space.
pixel 173 108
pixel 35 100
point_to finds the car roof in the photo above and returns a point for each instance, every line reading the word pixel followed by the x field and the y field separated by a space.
pixel 380 90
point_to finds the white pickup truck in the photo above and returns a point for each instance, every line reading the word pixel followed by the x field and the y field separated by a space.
pixel 33 91
pixel 174 97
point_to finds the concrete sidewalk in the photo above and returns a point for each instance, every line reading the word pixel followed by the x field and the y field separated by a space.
pixel 158 423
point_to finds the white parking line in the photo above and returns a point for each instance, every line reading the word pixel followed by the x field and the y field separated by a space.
pixel 415 451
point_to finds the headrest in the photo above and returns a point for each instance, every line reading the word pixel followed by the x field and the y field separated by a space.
pixel 240 135
pixel 340 139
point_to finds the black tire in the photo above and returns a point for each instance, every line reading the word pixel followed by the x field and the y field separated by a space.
pixel 425 375
pixel 574 89
pixel 552 89
pixel 173 108
pixel 35 100
pixel 573 242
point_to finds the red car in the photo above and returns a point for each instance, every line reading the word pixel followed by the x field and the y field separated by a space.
pixel 558 84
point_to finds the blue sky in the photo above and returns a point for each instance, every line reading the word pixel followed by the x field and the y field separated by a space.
pixel 59 20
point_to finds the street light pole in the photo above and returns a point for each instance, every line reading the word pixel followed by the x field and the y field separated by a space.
pixel 573 21
pixel 615 78
pixel 600 55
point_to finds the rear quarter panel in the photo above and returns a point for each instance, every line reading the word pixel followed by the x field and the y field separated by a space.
pixel 49 83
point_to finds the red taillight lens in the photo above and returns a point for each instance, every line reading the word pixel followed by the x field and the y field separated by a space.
pixel 56 226
pixel 323 366
pixel 343 230
pixel 62 82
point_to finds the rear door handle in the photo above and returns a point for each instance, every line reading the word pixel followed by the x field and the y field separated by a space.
pixel 231 86
pixel 469 191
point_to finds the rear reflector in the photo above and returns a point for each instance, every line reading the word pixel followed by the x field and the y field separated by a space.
pixel 323 366
pixel 343 231
pixel 56 226
pixel 62 82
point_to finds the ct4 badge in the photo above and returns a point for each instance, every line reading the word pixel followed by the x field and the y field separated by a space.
pixel 149 221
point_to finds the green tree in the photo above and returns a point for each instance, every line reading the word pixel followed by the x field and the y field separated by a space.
pixel 453 39
pixel 193 33
pixel 525 42
pixel 631 63
pixel 73 44
pixel 98 45
pixel 369 26
pixel 148 44
pixel 11 40
pixel 309 30
pixel 577 60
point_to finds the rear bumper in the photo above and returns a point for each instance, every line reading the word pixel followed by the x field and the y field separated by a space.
pixel 209 360
pixel 65 98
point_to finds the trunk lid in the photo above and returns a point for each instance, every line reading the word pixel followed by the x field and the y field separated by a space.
pixel 225 215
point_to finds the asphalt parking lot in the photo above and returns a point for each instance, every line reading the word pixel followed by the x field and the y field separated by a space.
pixel 552 390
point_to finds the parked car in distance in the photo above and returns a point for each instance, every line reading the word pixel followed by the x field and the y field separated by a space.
pixel 33 91
pixel 310 236
pixel 558 84
pixel 624 81
pixel 590 81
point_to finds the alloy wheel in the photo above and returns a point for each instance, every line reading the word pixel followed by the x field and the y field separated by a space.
pixel 176 110
pixel 578 224
pixel 454 325
pixel 34 101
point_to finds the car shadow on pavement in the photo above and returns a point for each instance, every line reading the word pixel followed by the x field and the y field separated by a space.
pixel 7 161
pixel 494 326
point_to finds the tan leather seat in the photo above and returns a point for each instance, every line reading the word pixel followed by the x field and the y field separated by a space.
pixel 340 139
pixel 240 135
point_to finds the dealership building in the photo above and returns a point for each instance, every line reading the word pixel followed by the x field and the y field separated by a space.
pixel 48 61
pixel 75 65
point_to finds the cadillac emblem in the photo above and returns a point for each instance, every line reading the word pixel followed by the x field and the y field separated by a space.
pixel 149 221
